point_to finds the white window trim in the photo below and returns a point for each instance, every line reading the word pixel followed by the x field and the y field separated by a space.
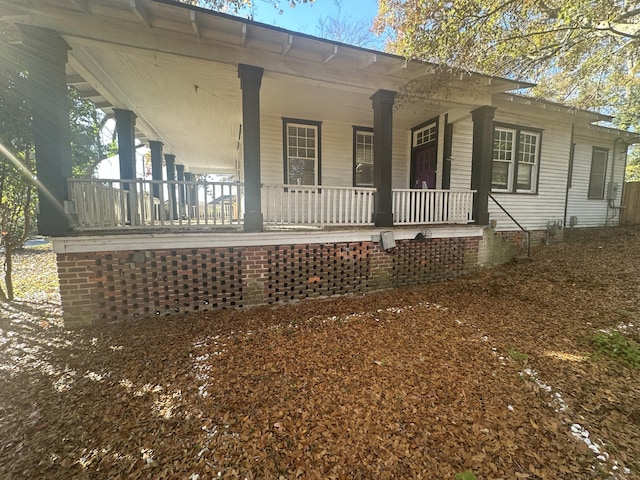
pixel 369 133
pixel 432 137
pixel 514 163
pixel 534 168
pixel 605 152
pixel 310 125
pixel 510 163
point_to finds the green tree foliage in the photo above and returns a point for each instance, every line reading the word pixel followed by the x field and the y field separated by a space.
pixel 88 147
pixel 17 188
pixel 17 154
pixel 583 53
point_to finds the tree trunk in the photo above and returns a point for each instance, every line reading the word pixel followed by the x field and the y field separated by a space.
pixel 8 278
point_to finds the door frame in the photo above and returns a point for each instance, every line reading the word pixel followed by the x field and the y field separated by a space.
pixel 416 146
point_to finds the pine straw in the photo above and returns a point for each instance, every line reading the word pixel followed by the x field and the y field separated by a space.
pixel 420 382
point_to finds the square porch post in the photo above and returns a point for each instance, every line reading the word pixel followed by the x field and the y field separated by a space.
pixel 191 194
pixel 125 127
pixel 181 192
pixel 156 165
pixel 482 162
pixel 45 54
pixel 383 101
pixel 170 165
pixel 250 81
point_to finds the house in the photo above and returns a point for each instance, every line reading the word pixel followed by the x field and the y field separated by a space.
pixel 352 169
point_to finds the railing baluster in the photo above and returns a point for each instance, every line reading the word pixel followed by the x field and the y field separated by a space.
pixel 117 203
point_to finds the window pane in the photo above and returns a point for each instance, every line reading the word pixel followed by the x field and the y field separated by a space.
pixel 301 171
pixel 503 149
pixel 524 177
pixel 363 159
pixel 364 175
pixel 500 177
pixel 598 174
pixel 425 135
pixel 528 148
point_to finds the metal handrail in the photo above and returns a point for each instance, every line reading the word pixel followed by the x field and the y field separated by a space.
pixel 516 222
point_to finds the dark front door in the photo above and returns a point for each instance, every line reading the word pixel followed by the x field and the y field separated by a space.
pixel 424 167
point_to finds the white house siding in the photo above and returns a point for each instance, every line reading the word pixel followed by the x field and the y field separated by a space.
pixel 461 150
pixel 336 152
pixel 271 149
pixel 534 211
pixel 401 158
pixel 593 212
pixel 336 155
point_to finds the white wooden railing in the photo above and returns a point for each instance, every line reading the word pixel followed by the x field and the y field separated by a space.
pixel 317 205
pixel 413 207
pixel 105 204
pixel 116 203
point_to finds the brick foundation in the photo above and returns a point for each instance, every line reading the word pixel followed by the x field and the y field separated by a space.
pixel 107 286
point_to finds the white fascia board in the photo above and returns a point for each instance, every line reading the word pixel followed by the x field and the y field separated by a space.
pixel 154 241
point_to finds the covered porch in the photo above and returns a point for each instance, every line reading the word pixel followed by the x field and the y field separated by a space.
pixel 213 96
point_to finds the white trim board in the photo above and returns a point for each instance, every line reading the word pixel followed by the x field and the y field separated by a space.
pixel 114 243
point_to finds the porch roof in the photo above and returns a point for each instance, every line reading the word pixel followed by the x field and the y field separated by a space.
pixel 175 67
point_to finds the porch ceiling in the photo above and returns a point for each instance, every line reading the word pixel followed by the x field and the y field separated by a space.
pixel 175 67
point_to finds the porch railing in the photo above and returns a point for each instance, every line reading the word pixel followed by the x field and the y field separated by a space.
pixel 108 204
pixel 414 207
pixel 317 205
pixel 116 203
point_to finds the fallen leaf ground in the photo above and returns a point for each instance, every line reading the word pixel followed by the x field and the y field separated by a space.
pixel 492 373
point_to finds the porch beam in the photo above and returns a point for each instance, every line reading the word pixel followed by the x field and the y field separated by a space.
pixel 156 165
pixel 287 45
pixel 243 36
pixel 482 162
pixel 170 165
pixel 368 61
pixel 45 53
pixel 194 24
pixel 330 56
pixel 383 101
pixel 75 80
pixel 140 12
pixel 250 81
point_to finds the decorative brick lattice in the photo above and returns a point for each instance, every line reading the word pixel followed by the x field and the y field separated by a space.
pixel 107 286
pixel 164 282
pixel 428 260
pixel 305 271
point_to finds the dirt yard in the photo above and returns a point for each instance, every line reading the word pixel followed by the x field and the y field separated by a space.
pixel 494 375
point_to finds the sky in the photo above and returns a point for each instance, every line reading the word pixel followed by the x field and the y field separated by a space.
pixel 304 17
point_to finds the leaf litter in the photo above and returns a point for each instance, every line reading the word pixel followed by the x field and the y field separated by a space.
pixel 492 374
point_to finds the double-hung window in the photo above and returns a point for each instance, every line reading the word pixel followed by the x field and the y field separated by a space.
pixel 516 159
pixel 362 157
pixel 301 152
pixel 598 173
